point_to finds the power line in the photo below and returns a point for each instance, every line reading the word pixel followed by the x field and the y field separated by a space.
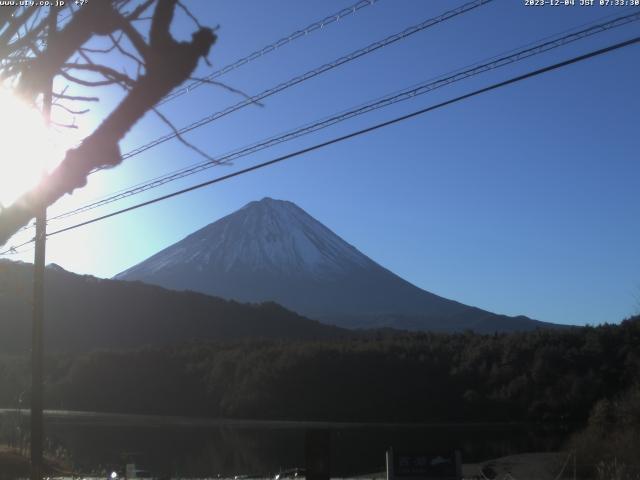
pixel 272 47
pixel 318 25
pixel 406 94
pixel 603 26
pixel 310 74
pixel 312 27
pixel 13 250
pixel 357 133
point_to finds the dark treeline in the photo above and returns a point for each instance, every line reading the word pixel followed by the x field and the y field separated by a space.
pixel 546 375
pixel 85 313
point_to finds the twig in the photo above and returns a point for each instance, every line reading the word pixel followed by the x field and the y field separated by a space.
pixel 88 83
pixel 227 87
pixel 75 98
pixel 122 50
pixel 140 9
pixel 63 125
pixel 70 111
pixel 189 14
pixel 182 140
pixel 107 72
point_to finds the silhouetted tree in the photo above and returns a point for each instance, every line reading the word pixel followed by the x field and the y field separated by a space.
pixel 30 55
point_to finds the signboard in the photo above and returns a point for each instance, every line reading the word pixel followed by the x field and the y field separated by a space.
pixel 412 465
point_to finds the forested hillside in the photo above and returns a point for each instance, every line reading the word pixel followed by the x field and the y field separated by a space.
pixel 555 375
pixel 85 313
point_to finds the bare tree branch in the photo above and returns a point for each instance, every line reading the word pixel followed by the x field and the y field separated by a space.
pixel 167 62
pixel 181 139
pixel 139 10
pixel 75 98
pixel 189 14
pixel 13 27
pixel 227 87
pixel 65 125
pixel 106 72
pixel 69 110
pixel 123 51
pixel 95 18
pixel 87 83
pixel 6 14
pixel 32 35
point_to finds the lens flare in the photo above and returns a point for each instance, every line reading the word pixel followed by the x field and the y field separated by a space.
pixel 27 149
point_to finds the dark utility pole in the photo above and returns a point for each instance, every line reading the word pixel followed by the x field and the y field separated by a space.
pixel 37 364
pixel 37 433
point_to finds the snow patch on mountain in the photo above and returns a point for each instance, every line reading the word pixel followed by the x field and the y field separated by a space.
pixel 272 250
pixel 264 236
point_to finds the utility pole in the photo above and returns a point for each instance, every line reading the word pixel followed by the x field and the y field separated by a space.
pixel 37 433
pixel 37 344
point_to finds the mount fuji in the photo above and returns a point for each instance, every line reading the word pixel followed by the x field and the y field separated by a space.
pixel 272 250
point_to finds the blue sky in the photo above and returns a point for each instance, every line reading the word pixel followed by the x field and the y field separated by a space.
pixel 521 201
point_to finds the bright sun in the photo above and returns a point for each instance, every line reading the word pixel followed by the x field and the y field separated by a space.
pixel 26 145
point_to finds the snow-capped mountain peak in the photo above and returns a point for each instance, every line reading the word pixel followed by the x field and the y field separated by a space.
pixel 272 250
pixel 264 236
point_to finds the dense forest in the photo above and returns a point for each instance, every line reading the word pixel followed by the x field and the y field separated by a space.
pixel 541 376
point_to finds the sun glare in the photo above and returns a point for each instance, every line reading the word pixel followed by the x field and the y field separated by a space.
pixel 28 148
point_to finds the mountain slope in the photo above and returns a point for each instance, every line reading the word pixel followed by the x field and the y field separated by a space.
pixel 85 313
pixel 272 250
